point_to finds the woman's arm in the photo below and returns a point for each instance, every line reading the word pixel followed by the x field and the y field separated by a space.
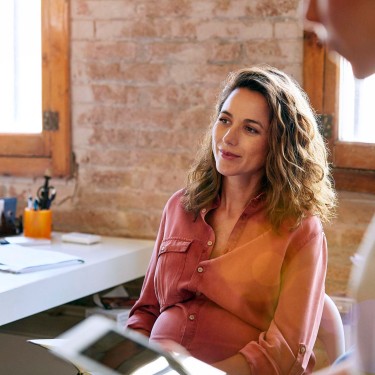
pixel 146 310
pixel 235 365
pixel 286 347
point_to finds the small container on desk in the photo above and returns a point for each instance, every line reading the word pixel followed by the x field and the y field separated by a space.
pixel 37 223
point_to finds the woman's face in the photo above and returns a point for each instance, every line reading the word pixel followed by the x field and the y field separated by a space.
pixel 240 136
pixel 348 27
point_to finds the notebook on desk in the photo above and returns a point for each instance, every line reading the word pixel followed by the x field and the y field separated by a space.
pixel 21 259
pixel 98 346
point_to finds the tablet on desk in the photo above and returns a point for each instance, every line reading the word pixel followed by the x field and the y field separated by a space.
pixel 100 347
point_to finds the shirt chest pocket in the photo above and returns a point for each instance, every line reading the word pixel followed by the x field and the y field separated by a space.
pixel 169 269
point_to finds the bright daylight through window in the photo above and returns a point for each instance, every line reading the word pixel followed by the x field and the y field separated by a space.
pixel 21 66
pixel 356 106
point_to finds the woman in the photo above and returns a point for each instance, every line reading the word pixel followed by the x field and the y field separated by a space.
pixel 237 274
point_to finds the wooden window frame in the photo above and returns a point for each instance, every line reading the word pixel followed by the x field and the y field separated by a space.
pixel 32 155
pixel 353 163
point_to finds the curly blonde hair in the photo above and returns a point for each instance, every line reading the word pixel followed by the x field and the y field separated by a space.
pixel 297 180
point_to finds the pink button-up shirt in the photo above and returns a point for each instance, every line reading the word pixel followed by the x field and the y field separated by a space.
pixel 263 298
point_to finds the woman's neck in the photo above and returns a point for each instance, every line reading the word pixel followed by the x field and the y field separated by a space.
pixel 235 197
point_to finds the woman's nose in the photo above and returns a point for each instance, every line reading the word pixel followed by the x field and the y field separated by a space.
pixel 231 136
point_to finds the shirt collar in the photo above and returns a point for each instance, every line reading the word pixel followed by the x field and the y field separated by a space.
pixel 253 205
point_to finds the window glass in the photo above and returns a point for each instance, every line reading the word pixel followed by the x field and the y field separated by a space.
pixel 35 132
pixel 21 66
pixel 356 106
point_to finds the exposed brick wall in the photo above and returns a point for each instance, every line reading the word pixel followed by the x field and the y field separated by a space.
pixel 144 77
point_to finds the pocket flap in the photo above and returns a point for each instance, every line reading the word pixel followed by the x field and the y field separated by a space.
pixel 174 245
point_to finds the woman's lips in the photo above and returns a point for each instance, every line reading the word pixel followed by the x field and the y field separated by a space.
pixel 228 155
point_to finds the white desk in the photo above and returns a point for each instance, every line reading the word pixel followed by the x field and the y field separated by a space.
pixel 107 264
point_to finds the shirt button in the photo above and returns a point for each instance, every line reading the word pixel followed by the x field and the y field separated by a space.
pixel 204 211
pixel 302 349
pixel 209 243
pixel 191 317
pixel 200 269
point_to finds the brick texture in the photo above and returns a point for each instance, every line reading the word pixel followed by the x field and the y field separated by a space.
pixel 144 76
pixel 144 79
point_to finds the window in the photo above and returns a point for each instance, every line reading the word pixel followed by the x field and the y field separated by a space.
pixel 353 161
pixel 31 154
pixel 21 72
pixel 355 106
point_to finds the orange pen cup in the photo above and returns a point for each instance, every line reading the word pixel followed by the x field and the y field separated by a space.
pixel 37 223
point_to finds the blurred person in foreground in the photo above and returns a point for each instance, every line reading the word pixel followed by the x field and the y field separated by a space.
pixel 238 270
pixel 348 28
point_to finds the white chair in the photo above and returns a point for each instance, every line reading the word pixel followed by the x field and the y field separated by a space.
pixel 331 330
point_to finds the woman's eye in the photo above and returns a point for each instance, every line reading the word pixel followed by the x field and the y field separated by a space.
pixel 224 120
pixel 250 129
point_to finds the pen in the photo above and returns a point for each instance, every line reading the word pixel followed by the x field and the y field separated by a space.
pixel 44 191
pixel 36 204
pixel 30 202
pixel 51 198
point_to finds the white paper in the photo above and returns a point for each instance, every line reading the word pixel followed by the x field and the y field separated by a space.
pixel 20 259
pixel 28 241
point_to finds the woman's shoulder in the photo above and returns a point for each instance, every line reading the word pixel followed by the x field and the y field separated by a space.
pixel 310 226
pixel 177 195
pixel 309 229
pixel 175 210
pixel 309 233
pixel 307 223
pixel 174 200
pixel 312 223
